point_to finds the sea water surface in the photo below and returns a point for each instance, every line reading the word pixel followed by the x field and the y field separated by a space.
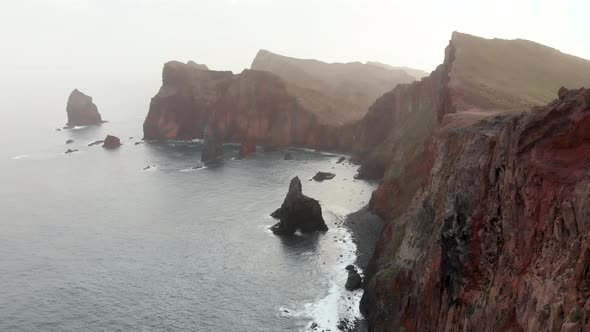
pixel 90 241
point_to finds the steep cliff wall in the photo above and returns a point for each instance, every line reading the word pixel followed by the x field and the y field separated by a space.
pixel 252 106
pixel 498 238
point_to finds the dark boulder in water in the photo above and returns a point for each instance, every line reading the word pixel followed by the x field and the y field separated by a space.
pixel 321 176
pixel 298 212
pixel 213 150
pixel 71 151
pixel 340 160
pixel 70 141
pixel 111 142
pixel 81 110
pixel 288 156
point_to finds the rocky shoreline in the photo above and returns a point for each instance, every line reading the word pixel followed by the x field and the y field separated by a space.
pixel 365 229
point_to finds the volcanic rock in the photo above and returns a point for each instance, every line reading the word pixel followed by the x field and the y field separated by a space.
pixel 111 142
pixel 70 141
pixel 288 156
pixel 81 110
pixel 299 212
pixel 341 160
pixel 321 176
pixel 71 151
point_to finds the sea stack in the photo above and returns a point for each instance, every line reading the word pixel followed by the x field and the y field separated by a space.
pixel 213 150
pixel 298 212
pixel 81 110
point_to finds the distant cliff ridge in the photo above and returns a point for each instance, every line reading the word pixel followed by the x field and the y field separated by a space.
pixel 337 93
pixel 416 73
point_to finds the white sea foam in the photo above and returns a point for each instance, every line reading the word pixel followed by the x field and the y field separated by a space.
pixel 23 156
pixel 338 303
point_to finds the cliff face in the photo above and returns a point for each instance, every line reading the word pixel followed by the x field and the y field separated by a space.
pixel 479 77
pixel 338 93
pixel 498 237
pixel 485 204
pixel 250 106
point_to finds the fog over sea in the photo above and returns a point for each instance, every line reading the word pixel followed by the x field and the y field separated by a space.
pixel 93 241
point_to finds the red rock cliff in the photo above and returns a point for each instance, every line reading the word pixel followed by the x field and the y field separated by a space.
pixel 479 77
pixel 484 204
pixel 253 107
pixel 498 239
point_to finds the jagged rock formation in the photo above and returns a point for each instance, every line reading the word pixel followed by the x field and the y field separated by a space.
pixel 213 148
pixel 498 237
pixel 337 93
pixel 81 110
pixel 298 212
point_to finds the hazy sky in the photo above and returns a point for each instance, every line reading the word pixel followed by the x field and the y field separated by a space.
pixel 225 34
pixel 114 49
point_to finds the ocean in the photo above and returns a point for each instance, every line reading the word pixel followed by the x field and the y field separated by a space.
pixel 94 241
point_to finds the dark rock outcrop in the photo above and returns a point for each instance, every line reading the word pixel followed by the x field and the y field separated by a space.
pixel 321 176
pixel 111 142
pixel 298 212
pixel 81 110
pixel 213 148
pixel 70 141
pixel 354 280
pixel 68 151
pixel 288 156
